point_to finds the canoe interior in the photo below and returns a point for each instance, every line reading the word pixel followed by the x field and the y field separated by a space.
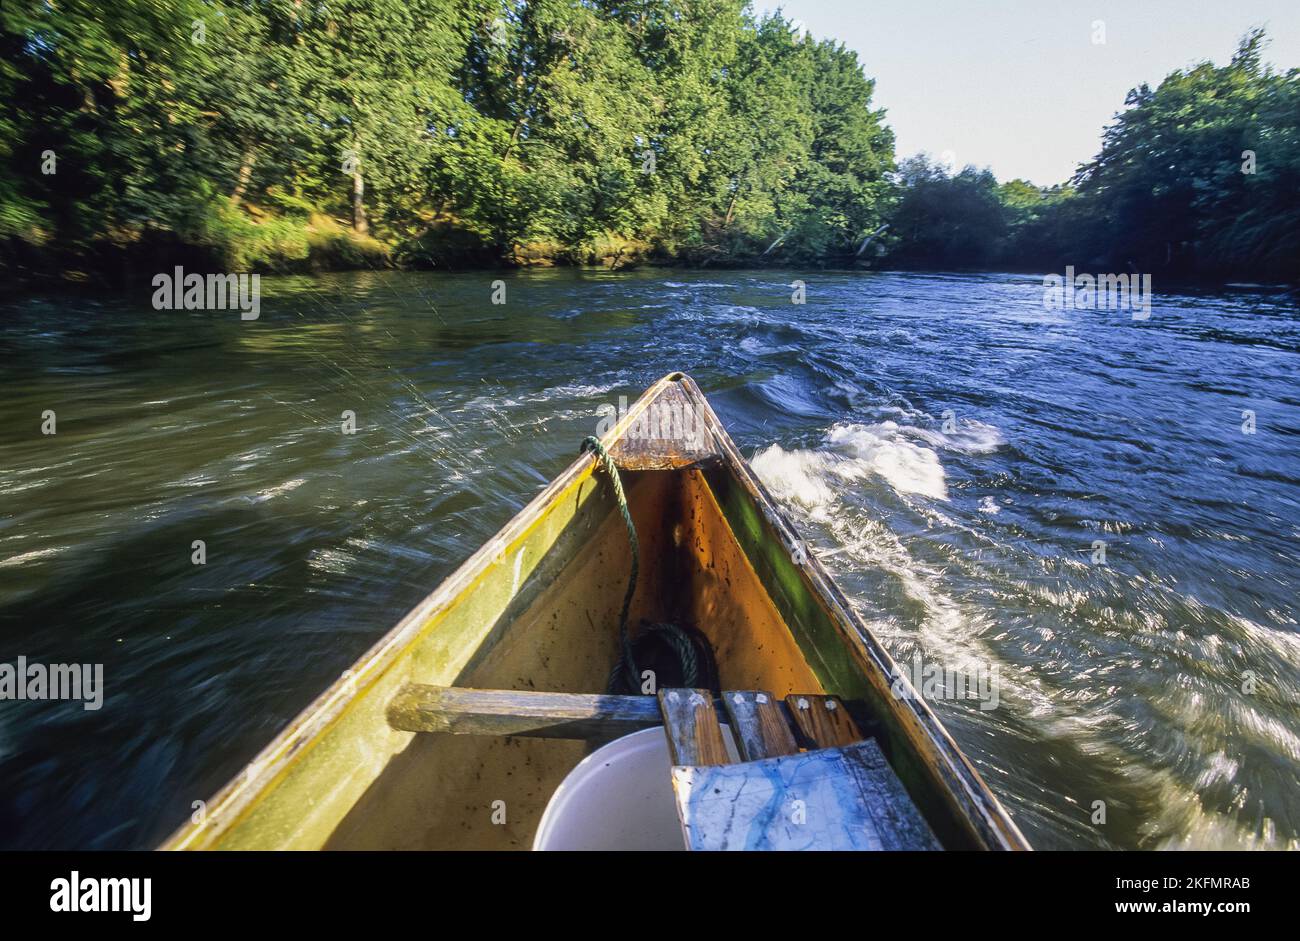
pixel 438 792
pixel 537 609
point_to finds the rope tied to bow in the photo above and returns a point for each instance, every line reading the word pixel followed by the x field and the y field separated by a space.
pixel 684 643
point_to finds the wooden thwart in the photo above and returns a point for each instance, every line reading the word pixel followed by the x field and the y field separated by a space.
pixel 420 708
pixel 822 720
pixel 758 724
pixel 691 723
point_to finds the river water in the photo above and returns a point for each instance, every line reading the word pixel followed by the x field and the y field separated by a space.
pixel 1074 499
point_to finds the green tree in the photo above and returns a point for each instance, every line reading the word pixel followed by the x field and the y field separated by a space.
pixel 947 220
pixel 1168 193
pixel 845 182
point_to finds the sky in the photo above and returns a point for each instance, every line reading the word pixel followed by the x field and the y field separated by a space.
pixel 1020 86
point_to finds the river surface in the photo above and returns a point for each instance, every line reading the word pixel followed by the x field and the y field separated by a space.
pixel 1074 499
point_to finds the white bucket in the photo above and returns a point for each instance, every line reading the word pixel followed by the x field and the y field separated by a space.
pixel 620 797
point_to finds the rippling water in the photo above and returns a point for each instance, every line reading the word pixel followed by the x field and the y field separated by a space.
pixel 953 452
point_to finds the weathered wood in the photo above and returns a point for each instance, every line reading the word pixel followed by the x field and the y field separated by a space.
pixel 671 433
pixel 822 720
pixel 691 723
pixel 831 799
pixel 758 725
pixel 421 708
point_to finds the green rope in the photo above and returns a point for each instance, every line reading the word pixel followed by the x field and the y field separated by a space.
pixel 627 662
pixel 683 645
pixel 682 641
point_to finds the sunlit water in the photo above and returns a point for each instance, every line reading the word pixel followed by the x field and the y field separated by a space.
pixel 954 452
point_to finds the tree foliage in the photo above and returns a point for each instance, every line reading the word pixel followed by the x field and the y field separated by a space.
pixel 1200 176
pixel 278 133
pixel 434 130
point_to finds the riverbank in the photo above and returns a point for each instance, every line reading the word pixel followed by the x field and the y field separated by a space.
pixel 323 245
pixel 331 249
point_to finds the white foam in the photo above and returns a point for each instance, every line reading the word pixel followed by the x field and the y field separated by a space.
pixel 968 437
pixel 797 477
pixel 854 452
pixel 905 456
pixel 941 628
pixel 577 390
pixel 271 493
pixel 881 450
pixel 33 556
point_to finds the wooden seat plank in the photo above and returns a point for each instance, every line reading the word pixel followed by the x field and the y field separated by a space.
pixel 421 708
pixel 691 723
pixel 758 724
pixel 844 798
pixel 822 720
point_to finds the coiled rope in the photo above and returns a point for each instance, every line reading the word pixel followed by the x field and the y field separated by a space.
pixel 687 644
